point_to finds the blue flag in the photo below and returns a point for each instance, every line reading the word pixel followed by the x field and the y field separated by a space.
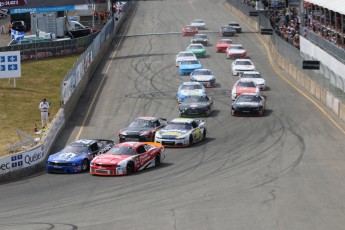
pixel 17 35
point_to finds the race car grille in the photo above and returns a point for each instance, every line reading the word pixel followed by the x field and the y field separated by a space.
pixel 54 170
pixel 171 143
pixel 194 111
pixel 103 171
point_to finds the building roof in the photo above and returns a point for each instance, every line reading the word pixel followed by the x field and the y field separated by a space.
pixel 334 5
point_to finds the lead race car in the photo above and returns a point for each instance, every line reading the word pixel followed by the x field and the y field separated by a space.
pixel 182 132
pixel 126 158
pixel 76 156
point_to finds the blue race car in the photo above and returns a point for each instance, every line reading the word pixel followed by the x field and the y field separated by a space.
pixel 188 66
pixel 76 156
pixel 189 89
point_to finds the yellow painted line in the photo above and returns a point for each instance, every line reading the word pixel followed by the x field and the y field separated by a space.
pixel 341 129
pixel 100 85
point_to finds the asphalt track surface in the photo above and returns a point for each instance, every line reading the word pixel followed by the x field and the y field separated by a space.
pixel 284 170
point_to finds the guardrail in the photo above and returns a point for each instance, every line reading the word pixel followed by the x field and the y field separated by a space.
pixel 28 162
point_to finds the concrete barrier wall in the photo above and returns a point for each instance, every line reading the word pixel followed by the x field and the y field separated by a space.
pixel 312 87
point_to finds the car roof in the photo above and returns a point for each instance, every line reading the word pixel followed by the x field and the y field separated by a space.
pixel 186 52
pixel 83 142
pixel 197 20
pixel 243 59
pixel 183 120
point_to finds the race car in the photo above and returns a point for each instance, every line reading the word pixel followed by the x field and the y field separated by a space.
pixel 186 67
pixel 243 86
pixel 142 129
pixel 185 56
pixel 223 44
pixel 196 105
pixel 189 30
pixel 190 88
pixel 198 49
pixel 249 103
pixel 256 77
pixel 235 51
pixel 236 26
pixel 204 76
pixel 181 132
pixel 227 31
pixel 200 39
pixel 76 156
pixel 242 65
pixel 198 23
pixel 127 158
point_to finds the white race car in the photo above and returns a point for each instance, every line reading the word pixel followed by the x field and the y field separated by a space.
pixel 181 132
pixel 198 23
pixel 204 76
pixel 242 65
pixel 185 56
pixel 256 77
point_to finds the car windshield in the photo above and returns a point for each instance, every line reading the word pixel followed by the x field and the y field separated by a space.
pixel 234 24
pixel 196 47
pixel 237 48
pixel 193 99
pixel 243 63
pixel 178 126
pixel 192 62
pixel 77 149
pixel 251 75
pixel 140 123
pixel 201 36
pixel 225 42
pixel 246 84
pixel 121 150
pixel 248 98
pixel 191 87
pixel 202 72
pixel 186 55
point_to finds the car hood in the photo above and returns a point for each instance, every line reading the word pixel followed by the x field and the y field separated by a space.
pixel 203 77
pixel 190 66
pixel 246 104
pixel 186 58
pixel 241 90
pixel 196 105
pixel 165 133
pixel 236 51
pixel 107 159
pixel 223 45
pixel 136 129
pixel 244 67
pixel 66 157
pixel 187 92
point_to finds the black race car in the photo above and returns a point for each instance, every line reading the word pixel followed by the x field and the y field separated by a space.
pixel 200 38
pixel 236 26
pixel 142 129
pixel 227 31
pixel 196 105
pixel 248 103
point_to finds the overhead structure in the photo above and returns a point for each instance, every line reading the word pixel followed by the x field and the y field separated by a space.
pixel 333 5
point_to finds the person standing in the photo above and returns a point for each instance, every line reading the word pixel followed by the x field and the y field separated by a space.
pixel 44 107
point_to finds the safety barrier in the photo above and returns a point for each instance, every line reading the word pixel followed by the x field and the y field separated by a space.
pixel 289 59
pixel 28 162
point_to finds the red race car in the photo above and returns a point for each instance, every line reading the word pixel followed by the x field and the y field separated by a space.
pixel 223 44
pixel 189 30
pixel 128 157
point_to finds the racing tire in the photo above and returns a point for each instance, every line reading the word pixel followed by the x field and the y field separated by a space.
pixel 233 113
pixel 191 140
pixel 153 137
pixel 260 113
pixel 158 160
pixel 204 134
pixel 84 165
pixel 129 168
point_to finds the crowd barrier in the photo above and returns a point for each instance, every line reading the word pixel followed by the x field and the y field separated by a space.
pixel 28 162
pixel 286 58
